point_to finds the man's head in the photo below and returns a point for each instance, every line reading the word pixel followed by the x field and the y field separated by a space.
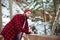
pixel 27 13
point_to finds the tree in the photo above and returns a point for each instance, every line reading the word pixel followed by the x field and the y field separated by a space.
pixel 0 16
pixel 10 7
pixel 56 17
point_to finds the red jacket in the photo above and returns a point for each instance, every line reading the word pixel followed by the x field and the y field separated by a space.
pixel 15 26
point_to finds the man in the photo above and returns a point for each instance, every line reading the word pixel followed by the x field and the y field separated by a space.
pixel 15 26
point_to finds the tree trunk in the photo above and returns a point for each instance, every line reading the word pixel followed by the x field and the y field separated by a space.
pixel 54 6
pixel 44 16
pixel 54 14
pixel 55 22
pixel 10 7
pixel 0 16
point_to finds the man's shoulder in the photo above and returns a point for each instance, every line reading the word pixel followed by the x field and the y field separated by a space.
pixel 19 15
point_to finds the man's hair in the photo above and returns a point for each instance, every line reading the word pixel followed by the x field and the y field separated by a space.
pixel 26 10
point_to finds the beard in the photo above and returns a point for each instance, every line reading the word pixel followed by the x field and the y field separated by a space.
pixel 27 16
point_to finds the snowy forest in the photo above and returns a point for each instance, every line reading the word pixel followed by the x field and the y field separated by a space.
pixel 45 14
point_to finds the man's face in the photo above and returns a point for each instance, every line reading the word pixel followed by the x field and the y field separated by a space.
pixel 28 14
